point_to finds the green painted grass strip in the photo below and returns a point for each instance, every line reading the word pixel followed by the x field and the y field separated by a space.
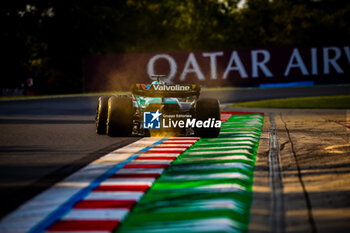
pixel 206 189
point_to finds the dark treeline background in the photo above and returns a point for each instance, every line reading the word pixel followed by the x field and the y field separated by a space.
pixel 46 40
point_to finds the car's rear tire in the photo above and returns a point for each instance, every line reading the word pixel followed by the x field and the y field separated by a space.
pixel 120 116
pixel 101 115
pixel 207 109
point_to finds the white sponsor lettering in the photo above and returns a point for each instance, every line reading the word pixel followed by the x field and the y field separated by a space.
pixel 192 66
pixel 331 61
pixel 314 61
pixel 172 64
pixel 260 64
pixel 299 63
pixel 212 57
pixel 325 60
pixel 176 87
pixel 347 53
pixel 238 67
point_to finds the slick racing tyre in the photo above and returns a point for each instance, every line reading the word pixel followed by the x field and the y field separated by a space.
pixel 207 109
pixel 101 115
pixel 120 116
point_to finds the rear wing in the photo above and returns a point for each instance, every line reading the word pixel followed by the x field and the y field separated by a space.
pixel 157 90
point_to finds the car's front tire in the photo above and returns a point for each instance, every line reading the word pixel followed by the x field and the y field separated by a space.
pixel 120 116
pixel 207 109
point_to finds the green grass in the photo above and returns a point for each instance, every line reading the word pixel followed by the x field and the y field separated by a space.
pixel 325 102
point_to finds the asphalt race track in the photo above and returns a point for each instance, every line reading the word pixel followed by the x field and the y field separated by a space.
pixel 42 141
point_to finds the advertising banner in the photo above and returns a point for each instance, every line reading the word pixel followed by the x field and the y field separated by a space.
pixel 240 68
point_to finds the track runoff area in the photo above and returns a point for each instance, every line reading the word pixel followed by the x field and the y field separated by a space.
pixel 155 185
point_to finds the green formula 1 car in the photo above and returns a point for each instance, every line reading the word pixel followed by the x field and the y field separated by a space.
pixel 158 109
